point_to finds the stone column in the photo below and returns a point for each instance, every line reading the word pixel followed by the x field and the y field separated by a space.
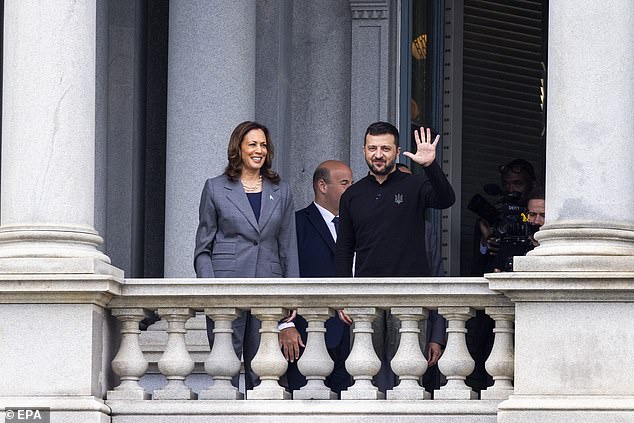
pixel 320 91
pixel 48 131
pixel 369 86
pixel 589 172
pixel 211 88
pixel 55 284
pixel 574 294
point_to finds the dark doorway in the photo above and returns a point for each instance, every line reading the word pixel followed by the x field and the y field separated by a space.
pixel 503 110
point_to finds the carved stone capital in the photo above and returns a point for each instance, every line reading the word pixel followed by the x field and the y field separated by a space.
pixel 369 9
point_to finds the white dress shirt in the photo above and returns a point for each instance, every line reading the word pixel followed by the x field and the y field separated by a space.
pixel 327 216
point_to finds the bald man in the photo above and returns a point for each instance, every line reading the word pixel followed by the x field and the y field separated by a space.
pixel 316 237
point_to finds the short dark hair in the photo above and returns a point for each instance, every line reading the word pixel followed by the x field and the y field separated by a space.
pixel 322 172
pixel 234 152
pixel 381 128
pixel 537 194
pixel 517 166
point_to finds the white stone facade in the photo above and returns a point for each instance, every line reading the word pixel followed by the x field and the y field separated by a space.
pixel 69 337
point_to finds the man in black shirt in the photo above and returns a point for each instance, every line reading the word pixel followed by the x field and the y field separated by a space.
pixel 382 216
pixel 382 219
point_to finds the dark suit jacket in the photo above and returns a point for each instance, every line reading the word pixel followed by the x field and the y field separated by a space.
pixel 316 251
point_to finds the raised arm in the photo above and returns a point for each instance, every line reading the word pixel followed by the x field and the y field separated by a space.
pixel 441 195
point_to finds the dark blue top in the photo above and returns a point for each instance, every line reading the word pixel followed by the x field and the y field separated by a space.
pixel 255 199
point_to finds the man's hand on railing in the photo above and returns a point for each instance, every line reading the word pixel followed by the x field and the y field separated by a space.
pixel 344 317
pixel 291 316
pixel 434 351
pixel 290 341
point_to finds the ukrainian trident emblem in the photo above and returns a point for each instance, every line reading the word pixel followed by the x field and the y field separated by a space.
pixel 398 198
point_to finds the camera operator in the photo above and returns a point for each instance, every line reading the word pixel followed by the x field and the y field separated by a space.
pixel 518 180
pixel 518 176
pixel 536 212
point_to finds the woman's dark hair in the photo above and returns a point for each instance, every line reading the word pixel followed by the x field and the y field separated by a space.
pixel 234 152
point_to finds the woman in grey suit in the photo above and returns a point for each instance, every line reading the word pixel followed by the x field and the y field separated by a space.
pixel 246 227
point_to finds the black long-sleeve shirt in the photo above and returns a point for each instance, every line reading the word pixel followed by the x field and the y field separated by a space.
pixel 385 223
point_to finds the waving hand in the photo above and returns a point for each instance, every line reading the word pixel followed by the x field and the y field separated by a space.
pixel 425 148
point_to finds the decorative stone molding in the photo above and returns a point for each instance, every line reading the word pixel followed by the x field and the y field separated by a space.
pixel 50 241
pixel 369 9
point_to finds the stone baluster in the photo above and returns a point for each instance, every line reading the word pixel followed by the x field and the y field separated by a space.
pixel 501 362
pixel 362 363
pixel 315 362
pixel 222 363
pixel 409 363
pixel 269 362
pixel 456 363
pixel 129 363
pixel 175 363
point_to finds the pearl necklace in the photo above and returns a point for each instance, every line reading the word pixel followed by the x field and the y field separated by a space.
pixel 252 188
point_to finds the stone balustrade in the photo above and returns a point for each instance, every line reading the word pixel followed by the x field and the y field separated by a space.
pixel 408 299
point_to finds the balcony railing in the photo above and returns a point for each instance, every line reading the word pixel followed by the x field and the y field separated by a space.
pixel 409 299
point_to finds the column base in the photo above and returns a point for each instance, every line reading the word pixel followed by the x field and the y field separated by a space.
pixel 566 409
pixel 581 246
pixel 42 241
pixel 570 263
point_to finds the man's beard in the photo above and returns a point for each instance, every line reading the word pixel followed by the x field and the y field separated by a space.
pixel 387 168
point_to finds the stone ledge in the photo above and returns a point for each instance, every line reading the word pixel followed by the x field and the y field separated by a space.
pixel 304 408
pixel 61 403
pixel 568 403
pixel 295 292
pixel 564 286
pixel 58 289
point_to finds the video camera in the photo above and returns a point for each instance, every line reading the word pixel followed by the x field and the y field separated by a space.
pixel 509 222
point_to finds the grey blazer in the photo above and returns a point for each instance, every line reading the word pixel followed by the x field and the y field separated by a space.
pixel 230 243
